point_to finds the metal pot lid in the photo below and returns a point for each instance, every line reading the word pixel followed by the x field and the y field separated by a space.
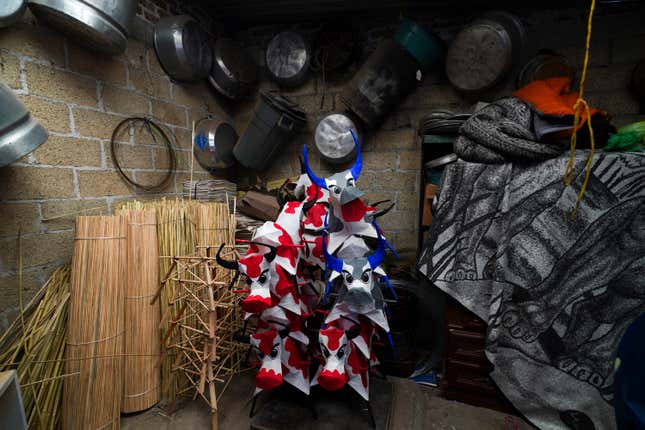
pixel 183 48
pixel 287 55
pixel 99 24
pixel 213 145
pixel 479 57
pixel 11 11
pixel 333 138
pixel 20 133
pixel 235 61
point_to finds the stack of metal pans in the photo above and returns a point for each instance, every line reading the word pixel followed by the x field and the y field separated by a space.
pixel 442 122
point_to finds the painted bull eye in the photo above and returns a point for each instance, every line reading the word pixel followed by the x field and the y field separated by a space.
pixel 341 352
pixel 348 277
pixel 334 189
pixel 260 355
pixel 249 281
pixel 262 279
pixel 274 352
pixel 351 182
pixel 325 351
pixel 365 276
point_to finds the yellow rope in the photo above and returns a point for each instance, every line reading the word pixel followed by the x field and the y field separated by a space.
pixel 581 104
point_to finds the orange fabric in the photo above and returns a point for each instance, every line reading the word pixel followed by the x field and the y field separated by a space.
pixel 553 96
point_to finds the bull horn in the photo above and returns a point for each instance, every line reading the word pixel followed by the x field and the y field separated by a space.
pixel 312 176
pixel 377 257
pixel 334 263
pixel 229 264
pixel 358 164
pixel 272 250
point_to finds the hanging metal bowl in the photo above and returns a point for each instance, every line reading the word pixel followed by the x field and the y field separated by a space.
pixel 183 48
pixel 288 57
pixel 20 133
pixel 213 145
pixel 333 138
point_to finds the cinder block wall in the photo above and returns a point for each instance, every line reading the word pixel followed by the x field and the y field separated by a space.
pixel 80 96
pixel 391 154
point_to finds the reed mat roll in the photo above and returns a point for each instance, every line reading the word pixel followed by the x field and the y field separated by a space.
pixel 34 345
pixel 92 398
pixel 142 347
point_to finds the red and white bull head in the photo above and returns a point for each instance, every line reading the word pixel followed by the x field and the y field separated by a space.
pixel 268 346
pixel 341 186
pixel 281 360
pixel 259 275
pixel 343 364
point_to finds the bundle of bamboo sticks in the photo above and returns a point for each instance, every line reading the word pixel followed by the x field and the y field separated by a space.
pixel 92 398
pixel 34 345
pixel 141 375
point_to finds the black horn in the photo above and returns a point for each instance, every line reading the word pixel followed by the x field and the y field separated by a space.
pixel 229 264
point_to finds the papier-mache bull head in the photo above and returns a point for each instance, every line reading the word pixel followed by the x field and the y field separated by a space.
pixel 258 273
pixel 343 364
pixel 341 186
pixel 281 360
pixel 359 291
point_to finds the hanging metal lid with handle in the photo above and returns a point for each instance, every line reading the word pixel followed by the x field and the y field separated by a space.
pixel 333 138
pixel 20 133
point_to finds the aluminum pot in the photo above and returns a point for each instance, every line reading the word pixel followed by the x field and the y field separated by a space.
pixel 213 145
pixel 233 73
pixel 98 24
pixel 183 48
pixel 20 133
pixel 11 11
pixel 333 138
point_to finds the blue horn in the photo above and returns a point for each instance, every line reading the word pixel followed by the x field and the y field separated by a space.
pixel 358 164
pixel 315 179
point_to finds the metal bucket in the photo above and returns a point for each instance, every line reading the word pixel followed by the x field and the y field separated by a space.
pixel 388 75
pixel 268 129
pixel 99 24
pixel 213 145
pixel 20 133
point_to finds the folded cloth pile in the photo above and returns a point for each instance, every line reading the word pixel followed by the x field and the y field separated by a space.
pixel 501 132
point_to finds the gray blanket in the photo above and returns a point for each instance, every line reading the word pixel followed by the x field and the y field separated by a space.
pixel 557 293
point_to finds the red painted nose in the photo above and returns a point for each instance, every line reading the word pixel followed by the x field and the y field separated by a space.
pixel 267 379
pixel 331 380
pixel 256 304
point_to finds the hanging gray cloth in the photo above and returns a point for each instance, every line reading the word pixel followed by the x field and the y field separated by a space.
pixel 502 132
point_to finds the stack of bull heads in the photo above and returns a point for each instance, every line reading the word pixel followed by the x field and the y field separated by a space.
pixel 315 259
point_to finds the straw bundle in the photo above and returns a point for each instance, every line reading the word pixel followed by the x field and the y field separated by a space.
pixel 92 398
pixel 141 376
pixel 36 350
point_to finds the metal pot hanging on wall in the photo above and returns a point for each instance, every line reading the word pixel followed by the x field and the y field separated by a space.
pixel 485 51
pixel 234 73
pixel 11 11
pixel 213 145
pixel 288 58
pixel 183 48
pixel 98 24
pixel 20 133
pixel 333 138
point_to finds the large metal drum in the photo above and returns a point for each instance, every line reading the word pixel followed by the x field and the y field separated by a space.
pixel 388 75
pixel 213 145
pixel 99 24
pixel 20 133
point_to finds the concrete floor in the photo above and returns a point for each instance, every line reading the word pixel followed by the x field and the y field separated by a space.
pixel 413 408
